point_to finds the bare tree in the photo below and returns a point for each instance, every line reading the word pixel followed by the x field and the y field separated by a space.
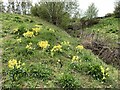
pixel 2 7
pixel 18 7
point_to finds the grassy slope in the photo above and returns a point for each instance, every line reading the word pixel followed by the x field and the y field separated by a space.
pixel 107 30
pixel 108 27
pixel 17 51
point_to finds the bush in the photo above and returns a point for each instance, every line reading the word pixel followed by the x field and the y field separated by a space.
pixel 17 19
pixel 67 81
pixel 117 10
pixel 19 31
pixel 16 70
pixel 88 22
pixel 40 71
pixel 81 68
pixel 98 72
pixel 109 15
pixel 16 74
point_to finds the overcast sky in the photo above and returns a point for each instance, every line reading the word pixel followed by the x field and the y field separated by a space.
pixel 104 6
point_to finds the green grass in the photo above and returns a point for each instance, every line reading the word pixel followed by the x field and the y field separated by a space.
pixel 107 30
pixel 43 70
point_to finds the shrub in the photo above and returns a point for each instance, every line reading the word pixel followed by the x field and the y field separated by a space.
pixel 56 49
pixel 117 10
pixel 17 19
pixel 98 72
pixel 40 71
pixel 67 81
pixel 81 68
pixel 19 31
pixel 29 48
pixel 16 70
pixel 109 15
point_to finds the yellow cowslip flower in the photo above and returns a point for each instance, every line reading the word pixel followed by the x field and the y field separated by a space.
pixel 12 63
pixel 51 30
pixel 36 30
pixel 65 43
pixel 15 30
pixel 38 26
pixel 102 70
pixel 103 78
pixel 19 40
pixel 56 48
pixel 18 66
pixel 23 64
pixel 28 34
pixel 80 47
pixel 43 44
pixel 107 69
pixel 29 46
pixel 75 58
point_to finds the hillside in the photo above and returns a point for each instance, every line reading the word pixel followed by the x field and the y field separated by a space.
pixel 37 54
pixel 102 39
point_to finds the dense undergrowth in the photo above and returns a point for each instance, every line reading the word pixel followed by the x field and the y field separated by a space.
pixel 37 54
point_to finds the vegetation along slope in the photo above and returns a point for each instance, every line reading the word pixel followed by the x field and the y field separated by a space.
pixel 37 54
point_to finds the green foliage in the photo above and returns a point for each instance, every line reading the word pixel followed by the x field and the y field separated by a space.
pixel 2 7
pixel 40 71
pixel 17 73
pixel 109 15
pixel 21 30
pixel 40 66
pixel 57 13
pixel 91 11
pixel 18 19
pixel 16 70
pixel 98 72
pixel 81 68
pixel 67 81
pixel 117 10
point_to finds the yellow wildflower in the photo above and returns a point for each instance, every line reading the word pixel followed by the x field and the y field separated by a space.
pixel 75 58
pixel 65 43
pixel 23 64
pixel 18 66
pixel 19 40
pixel 15 30
pixel 107 69
pixel 80 47
pixel 102 69
pixel 36 30
pixel 56 48
pixel 103 78
pixel 43 44
pixel 12 63
pixel 28 34
pixel 51 30
pixel 38 26
pixel 29 46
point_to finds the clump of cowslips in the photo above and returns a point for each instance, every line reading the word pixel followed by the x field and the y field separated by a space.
pixel 56 49
pixel 16 69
